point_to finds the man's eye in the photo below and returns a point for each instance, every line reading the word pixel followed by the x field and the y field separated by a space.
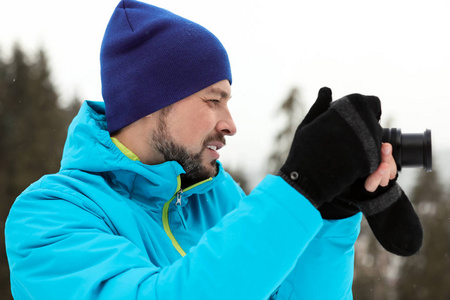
pixel 214 101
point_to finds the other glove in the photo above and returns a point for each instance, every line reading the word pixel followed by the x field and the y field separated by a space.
pixel 389 214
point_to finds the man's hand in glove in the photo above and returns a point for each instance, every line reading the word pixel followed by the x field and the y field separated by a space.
pixel 337 161
pixel 335 144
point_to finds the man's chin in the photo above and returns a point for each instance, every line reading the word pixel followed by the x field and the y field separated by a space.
pixel 206 172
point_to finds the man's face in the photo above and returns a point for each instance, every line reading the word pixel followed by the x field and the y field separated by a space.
pixel 191 131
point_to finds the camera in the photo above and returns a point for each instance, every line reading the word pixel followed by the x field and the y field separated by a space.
pixel 409 150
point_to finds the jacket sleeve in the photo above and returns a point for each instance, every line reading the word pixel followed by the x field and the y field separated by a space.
pixel 58 249
pixel 325 269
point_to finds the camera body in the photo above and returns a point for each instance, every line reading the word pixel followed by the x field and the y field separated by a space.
pixel 410 150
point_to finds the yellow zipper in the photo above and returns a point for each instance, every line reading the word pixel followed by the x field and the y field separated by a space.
pixel 165 213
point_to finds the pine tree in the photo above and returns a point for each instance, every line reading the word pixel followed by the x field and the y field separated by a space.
pixel 375 268
pixel 427 274
pixel 240 177
pixel 32 129
pixel 292 111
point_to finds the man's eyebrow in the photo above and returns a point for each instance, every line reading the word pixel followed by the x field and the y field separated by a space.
pixel 218 91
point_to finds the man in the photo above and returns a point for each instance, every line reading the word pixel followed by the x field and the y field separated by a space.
pixel 142 208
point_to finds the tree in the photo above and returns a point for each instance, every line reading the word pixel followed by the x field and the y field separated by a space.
pixel 427 274
pixel 33 127
pixel 241 178
pixel 292 111
pixel 375 268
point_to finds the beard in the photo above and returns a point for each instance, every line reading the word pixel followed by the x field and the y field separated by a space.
pixel 192 163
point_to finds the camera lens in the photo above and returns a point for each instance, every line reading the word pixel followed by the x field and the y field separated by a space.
pixel 410 150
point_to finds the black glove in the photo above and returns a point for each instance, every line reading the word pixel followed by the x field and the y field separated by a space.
pixel 388 211
pixel 335 144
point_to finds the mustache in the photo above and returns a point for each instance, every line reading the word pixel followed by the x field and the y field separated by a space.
pixel 215 138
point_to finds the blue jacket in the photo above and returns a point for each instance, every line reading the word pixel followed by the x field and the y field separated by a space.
pixel 108 227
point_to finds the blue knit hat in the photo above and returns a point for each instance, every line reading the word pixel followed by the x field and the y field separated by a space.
pixel 151 58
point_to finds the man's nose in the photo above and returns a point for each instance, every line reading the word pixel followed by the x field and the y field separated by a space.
pixel 226 125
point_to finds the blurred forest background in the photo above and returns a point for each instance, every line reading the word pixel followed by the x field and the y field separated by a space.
pixel 33 125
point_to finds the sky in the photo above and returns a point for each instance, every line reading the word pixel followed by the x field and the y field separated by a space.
pixel 398 50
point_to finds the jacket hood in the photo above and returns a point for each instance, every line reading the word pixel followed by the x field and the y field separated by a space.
pixel 89 148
